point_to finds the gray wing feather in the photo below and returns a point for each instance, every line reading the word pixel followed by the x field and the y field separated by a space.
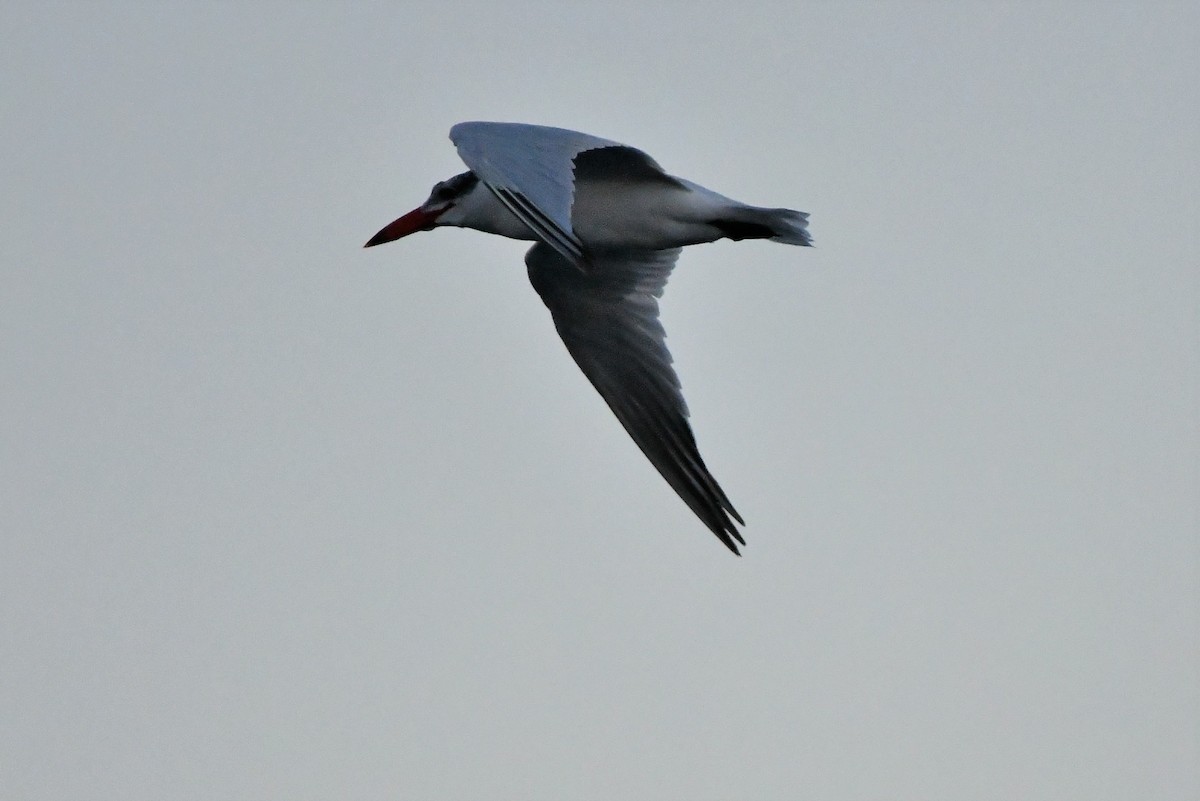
pixel 608 319
pixel 532 170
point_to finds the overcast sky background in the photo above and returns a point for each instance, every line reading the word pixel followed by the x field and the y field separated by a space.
pixel 283 518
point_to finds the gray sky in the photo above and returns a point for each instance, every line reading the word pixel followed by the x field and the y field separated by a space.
pixel 283 518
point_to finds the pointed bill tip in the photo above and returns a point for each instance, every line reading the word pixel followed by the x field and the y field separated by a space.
pixel 415 220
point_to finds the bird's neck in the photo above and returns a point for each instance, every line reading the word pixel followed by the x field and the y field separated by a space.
pixel 479 209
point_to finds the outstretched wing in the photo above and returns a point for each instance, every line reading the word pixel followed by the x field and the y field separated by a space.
pixel 608 319
pixel 532 169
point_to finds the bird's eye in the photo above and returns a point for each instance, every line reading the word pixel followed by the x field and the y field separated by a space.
pixel 452 189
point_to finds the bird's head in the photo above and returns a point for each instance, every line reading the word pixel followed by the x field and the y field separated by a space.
pixel 442 208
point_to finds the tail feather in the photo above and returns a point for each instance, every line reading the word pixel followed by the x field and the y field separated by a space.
pixel 790 227
pixel 778 225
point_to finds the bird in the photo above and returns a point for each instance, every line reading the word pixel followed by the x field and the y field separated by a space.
pixel 608 225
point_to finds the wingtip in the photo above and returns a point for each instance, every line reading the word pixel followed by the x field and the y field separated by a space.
pixel 729 534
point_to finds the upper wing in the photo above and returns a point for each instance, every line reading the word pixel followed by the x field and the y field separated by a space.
pixel 532 170
pixel 608 319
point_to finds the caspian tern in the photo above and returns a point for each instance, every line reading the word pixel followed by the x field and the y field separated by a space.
pixel 609 224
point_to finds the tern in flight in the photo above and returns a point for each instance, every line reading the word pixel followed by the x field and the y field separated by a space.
pixel 608 224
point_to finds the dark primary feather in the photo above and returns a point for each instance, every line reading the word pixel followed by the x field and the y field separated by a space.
pixel 608 319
